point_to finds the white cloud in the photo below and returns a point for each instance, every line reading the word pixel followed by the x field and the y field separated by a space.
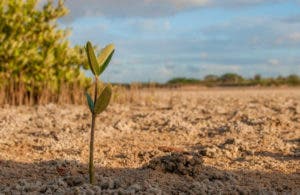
pixel 150 25
pixel 295 36
pixel 203 55
pixel 179 4
pixel 288 38
pixel 273 62
pixel 165 72
pixel 219 68
pixel 130 8
pixel 244 44
pixel 149 8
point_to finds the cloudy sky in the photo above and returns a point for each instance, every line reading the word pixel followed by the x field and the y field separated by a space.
pixel 157 40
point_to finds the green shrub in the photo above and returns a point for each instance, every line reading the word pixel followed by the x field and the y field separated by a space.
pixel 34 53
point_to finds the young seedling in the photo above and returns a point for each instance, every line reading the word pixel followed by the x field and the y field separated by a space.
pixel 100 102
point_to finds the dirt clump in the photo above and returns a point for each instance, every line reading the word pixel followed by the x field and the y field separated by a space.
pixel 178 163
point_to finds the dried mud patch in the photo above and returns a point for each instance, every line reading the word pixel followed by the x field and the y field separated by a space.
pixel 184 142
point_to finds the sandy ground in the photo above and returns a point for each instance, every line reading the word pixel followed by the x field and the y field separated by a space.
pixel 192 141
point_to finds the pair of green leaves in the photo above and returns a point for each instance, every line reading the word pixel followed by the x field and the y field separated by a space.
pixel 98 66
pixel 104 58
pixel 101 102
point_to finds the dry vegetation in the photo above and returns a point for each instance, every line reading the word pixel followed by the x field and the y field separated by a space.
pixel 190 141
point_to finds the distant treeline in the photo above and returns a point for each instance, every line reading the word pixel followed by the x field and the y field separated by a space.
pixel 232 79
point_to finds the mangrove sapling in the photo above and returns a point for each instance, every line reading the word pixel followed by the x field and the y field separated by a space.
pixel 100 102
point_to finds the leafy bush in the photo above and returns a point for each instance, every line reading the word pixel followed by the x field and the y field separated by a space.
pixel 233 79
pixel 35 55
pixel 293 80
pixel 183 80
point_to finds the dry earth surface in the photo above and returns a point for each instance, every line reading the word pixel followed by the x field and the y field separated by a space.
pixel 179 141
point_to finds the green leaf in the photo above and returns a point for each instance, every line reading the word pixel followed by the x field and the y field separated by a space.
pixel 105 56
pixel 90 102
pixel 92 59
pixel 103 100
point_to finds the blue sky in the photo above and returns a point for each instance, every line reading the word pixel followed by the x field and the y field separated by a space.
pixel 157 40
